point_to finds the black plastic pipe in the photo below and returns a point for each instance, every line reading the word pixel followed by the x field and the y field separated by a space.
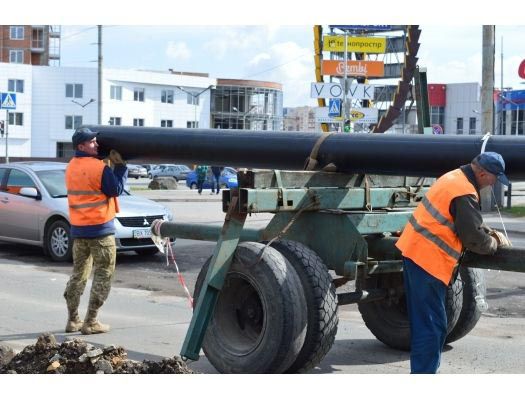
pixel 381 154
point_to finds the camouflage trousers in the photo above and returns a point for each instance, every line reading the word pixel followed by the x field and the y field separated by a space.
pixel 99 254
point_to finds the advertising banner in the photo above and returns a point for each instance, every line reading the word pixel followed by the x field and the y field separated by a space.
pixel 354 44
pixel 353 68
pixel 359 115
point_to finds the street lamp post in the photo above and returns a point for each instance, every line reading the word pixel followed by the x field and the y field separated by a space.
pixel 195 96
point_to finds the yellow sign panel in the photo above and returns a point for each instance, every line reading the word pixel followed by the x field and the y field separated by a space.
pixel 355 44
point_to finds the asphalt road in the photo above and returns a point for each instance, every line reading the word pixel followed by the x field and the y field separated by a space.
pixel 149 314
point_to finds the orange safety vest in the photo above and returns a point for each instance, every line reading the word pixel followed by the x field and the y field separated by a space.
pixel 429 238
pixel 88 205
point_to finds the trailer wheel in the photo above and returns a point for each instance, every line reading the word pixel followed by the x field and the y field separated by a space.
pixel 472 284
pixel 321 303
pixel 259 323
pixel 387 319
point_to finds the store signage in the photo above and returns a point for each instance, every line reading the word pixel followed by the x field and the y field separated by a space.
pixel 353 68
pixel 362 27
pixel 521 70
pixel 355 44
pixel 335 91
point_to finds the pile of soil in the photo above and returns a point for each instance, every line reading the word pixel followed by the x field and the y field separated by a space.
pixel 78 357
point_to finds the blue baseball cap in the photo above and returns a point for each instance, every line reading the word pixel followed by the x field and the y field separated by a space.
pixel 493 163
pixel 82 135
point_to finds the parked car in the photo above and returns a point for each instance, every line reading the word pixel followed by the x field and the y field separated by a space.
pixel 149 167
pixel 157 168
pixel 34 210
pixel 137 171
pixel 179 172
pixel 228 179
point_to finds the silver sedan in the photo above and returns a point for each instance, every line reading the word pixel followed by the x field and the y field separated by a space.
pixel 34 210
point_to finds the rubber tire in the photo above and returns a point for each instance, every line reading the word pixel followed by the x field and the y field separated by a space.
pixel 150 251
pixel 60 228
pixel 472 282
pixel 388 320
pixel 321 302
pixel 277 287
pixel 193 185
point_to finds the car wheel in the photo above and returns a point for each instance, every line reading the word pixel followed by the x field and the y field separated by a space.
pixel 58 241
pixel 193 185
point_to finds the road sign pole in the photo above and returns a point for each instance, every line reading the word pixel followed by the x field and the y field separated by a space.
pixel 6 136
pixel 344 83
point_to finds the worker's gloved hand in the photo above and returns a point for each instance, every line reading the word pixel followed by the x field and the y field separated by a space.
pixel 502 240
pixel 115 158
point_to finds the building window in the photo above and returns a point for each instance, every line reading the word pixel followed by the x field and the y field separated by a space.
pixel 116 92
pixel 16 118
pixel 15 85
pixel 16 56
pixel 138 94
pixel 167 96
pixel 16 32
pixel 65 150
pixel 472 126
pixel 459 126
pixel 74 90
pixel 192 124
pixel 437 116
pixel 115 120
pixel 192 99
pixel 138 121
pixel 166 123
pixel 73 121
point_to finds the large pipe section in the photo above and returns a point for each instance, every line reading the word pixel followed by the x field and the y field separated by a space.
pixel 380 154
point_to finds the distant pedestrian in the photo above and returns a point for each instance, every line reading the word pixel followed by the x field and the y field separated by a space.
pixel 216 172
pixel 202 172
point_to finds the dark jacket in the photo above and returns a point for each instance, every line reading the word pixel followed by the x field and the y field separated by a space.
pixel 470 228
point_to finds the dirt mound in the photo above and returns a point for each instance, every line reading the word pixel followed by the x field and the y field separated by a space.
pixel 78 357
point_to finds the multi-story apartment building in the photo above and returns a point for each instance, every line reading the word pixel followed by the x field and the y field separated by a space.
pixel 53 101
pixel 30 44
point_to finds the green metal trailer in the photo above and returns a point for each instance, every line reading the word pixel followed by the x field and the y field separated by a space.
pixel 267 299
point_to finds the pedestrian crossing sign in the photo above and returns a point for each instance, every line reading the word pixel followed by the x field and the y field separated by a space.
pixel 8 101
pixel 334 108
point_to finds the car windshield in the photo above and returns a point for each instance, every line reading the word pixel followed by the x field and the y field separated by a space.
pixel 54 182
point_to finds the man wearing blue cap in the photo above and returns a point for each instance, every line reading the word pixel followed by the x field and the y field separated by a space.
pixel 92 191
pixel 446 223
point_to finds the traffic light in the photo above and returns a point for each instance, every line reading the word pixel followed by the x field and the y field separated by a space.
pixel 347 125
pixel 2 128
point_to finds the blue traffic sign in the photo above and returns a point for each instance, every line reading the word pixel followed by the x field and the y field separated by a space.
pixel 334 108
pixel 8 101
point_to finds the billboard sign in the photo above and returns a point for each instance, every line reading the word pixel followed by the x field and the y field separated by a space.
pixel 355 44
pixel 362 27
pixel 353 68
pixel 359 115
pixel 335 91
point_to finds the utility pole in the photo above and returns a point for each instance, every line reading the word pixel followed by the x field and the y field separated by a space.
pixel 487 106
pixel 99 74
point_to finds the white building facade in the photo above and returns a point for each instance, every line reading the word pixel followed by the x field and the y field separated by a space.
pixel 53 101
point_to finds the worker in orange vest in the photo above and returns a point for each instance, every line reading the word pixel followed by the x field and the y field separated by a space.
pixel 446 222
pixel 92 191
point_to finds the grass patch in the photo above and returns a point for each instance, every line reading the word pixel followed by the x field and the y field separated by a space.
pixel 517 211
pixel 135 188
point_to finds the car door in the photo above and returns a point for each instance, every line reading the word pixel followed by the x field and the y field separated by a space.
pixel 20 215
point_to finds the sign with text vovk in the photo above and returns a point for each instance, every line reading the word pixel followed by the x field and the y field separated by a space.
pixel 335 91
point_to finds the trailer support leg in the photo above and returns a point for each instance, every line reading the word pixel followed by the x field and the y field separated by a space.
pixel 219 267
